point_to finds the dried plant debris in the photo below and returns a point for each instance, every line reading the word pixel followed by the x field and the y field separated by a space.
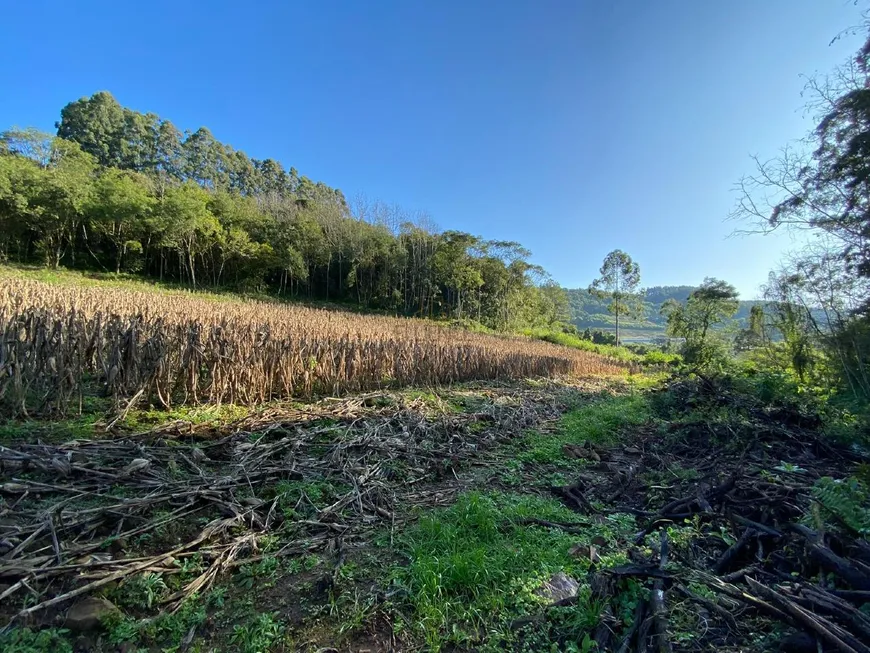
pixel 81 515
pixel 688 519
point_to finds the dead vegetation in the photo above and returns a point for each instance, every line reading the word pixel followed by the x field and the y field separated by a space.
pixel 738 547
pixel 81 516
pixel 60 343
pixel 703 518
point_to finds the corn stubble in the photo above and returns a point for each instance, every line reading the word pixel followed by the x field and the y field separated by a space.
pixel 60 342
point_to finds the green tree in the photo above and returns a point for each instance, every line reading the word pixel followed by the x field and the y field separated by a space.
pixel 187 224
pixel 713 303
pixel 620 277
pixel 118 207
pixel 755 333
pixel 97 125
pixel 55 195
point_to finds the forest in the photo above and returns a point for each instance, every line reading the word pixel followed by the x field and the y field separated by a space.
pixel 118 190
pixel 242 412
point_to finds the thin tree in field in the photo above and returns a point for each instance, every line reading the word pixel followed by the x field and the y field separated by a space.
pixel 620 277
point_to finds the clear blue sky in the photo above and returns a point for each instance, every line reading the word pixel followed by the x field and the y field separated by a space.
pixel 574 126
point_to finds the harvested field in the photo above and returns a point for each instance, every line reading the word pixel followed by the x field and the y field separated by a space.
pixel 512 516
pixel 192 506
pixel 60 343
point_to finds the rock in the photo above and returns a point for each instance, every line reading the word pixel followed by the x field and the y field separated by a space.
pixel 136 465
pixel 575 451
pixel 559 588
pixel 589 552
pixel 89 613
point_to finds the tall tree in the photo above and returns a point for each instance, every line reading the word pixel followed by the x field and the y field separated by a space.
pixel 620 277
pixel 97 125
pixel 187 223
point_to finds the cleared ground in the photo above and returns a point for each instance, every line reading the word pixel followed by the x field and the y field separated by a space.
pixel 531 515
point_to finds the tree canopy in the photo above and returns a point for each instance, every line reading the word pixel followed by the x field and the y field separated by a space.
pixel 124 191
pixel 620 277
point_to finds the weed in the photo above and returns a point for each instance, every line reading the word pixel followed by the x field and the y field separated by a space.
pixel 260 635
pixel 165 628
pixel 300 499
pixel 599 423
pixel 475 565
pixel 140 592
pixel 352 611
pixel 25 640
pixel 265 568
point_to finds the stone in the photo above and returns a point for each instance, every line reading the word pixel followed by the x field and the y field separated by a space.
pixel 560 587
pixel 89 613
pixel 589 552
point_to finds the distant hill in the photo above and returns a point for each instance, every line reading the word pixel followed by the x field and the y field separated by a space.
pixel 588 311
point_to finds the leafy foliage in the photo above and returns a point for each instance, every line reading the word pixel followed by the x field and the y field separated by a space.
pixel 711 304
pixel 125 191
pixel 620 277
pixel 846 500
pixel 476 563
pixel 25 640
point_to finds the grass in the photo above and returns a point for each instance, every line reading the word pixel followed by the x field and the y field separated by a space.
pixel 475 566
pixel 650 359
pixel 218 415
pixel 458 576
pixel 30 430
pixel 25 640
pixel 599 422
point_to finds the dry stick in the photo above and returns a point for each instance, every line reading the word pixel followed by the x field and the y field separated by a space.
pixel 736 593
pixel 732 551
pixel 12 589
pixel 820 598
pixel 657 601
pixel 50 521
pixel 568 528
pixel 710 605
pixel 829 560
pixel 112 577
pixel 24 544
pixel 830 632
pixel 754 524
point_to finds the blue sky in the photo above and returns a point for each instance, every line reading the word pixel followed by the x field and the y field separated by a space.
pixel 574 127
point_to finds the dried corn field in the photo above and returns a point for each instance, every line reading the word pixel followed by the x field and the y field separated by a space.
pixel 63 342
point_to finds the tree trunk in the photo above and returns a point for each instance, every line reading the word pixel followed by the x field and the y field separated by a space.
pixel 617 324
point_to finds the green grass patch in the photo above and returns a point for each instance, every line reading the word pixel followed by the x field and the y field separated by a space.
pixel 475 566
pixel 652 358
pixel 599 422
pixel 29 430
pixel 212 414
pixel 25 640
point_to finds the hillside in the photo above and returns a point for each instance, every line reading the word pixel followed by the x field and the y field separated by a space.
pixel 588 311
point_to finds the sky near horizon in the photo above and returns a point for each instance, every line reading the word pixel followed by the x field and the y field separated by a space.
pixel 574 126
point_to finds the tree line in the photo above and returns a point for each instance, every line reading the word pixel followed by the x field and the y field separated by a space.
pixel 118 190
